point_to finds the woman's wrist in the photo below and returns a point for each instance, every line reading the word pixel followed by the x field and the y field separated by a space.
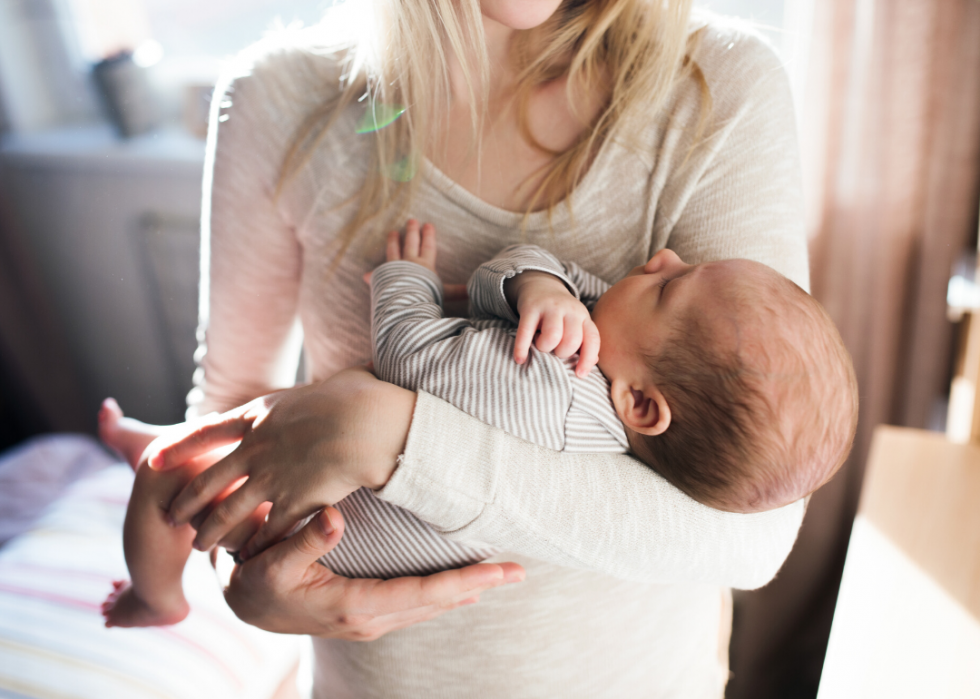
pixel 389 408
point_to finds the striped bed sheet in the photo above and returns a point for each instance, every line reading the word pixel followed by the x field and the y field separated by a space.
pixel 53 644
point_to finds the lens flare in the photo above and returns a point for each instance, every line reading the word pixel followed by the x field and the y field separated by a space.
pixel 403 169
pixel 379 116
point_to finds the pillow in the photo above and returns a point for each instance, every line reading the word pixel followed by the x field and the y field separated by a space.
pixel 53 643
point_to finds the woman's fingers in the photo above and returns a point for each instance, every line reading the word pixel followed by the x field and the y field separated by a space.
pixel 377 607
pixel 232 511
pixel 285 589
pixel 237 539
pixel 170 451
pixel 207 486
pixel 295 555
pixel 448 586
pixel 276 528
pixel 379 626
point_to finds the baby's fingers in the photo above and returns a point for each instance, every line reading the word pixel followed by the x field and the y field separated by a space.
pixel 410 251
pixel 588 356
pixel 427 249
pixel 526 328
pixel 571 338
pixel 552 329
pixel 393 250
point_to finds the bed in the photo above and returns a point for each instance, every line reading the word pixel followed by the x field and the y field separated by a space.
pixel 62 503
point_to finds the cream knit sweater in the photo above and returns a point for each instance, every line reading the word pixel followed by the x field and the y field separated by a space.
pixel 626 576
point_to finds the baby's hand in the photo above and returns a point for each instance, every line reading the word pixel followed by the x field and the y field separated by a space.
pixel 562 323
pixel 419 245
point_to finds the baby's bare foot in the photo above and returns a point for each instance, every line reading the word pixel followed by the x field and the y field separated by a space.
pixel 123 608
pixel 125 435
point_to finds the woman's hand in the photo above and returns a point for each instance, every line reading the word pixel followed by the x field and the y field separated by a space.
pixel 300 449
pixel 284 589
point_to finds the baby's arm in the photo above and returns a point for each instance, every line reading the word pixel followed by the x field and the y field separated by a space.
pixel 544 293
pixel 464 362
pixel 409 330
pixel 407 312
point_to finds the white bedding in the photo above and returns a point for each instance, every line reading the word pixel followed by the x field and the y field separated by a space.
pixel 35 473
pixel 54 576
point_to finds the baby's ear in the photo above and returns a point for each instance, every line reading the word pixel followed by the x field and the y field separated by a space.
pixel 642 409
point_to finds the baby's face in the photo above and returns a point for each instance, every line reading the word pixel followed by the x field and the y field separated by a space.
pixel 636 316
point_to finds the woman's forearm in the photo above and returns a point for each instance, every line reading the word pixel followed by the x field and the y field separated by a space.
pixel 607 513
pixel 335 436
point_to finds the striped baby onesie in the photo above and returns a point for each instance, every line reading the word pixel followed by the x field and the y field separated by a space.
pixel 470 364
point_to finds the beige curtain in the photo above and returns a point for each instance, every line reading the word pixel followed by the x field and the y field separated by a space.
pixel 891 150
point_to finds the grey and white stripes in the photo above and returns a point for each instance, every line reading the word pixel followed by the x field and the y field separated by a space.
pixel 469 363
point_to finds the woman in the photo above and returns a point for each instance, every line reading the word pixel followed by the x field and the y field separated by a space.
pixel 602 130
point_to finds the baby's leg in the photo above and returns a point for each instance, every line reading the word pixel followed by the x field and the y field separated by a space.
pixel 155 553
pixel 127 436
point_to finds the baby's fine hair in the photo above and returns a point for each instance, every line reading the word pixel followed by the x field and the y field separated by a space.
pixel 761 424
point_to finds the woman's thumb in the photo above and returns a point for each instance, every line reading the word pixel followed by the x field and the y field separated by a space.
pixel 316 538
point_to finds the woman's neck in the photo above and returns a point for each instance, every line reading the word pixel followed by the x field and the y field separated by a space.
pixel 502 77
pixel 499 164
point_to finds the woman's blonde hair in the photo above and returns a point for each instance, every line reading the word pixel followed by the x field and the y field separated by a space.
pixel 635 49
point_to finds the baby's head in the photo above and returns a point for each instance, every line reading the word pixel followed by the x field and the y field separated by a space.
pixel 732 382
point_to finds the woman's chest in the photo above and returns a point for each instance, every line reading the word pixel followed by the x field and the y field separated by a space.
pixel 510 158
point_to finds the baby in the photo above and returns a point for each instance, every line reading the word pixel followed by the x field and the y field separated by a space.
pixel 726 378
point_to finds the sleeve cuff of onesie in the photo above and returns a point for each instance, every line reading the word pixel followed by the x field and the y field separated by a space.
pixel 447 474
pixel 486 287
